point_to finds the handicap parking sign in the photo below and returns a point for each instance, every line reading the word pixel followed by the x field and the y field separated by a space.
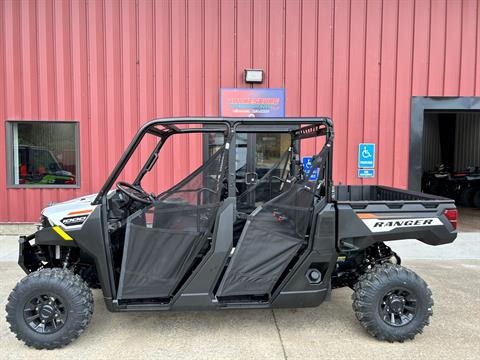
pixel 366 156
pixel 307 166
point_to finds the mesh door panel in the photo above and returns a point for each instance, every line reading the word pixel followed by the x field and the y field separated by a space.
pixel 163 240
pixel 154 261
pixel 273 235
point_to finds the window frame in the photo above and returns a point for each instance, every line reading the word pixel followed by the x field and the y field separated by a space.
pixel 9 124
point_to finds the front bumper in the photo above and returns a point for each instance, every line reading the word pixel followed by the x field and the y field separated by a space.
pixel 38 248
pixel 28 255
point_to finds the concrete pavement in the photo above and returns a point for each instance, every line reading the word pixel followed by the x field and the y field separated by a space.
pixel 328 331
pixel 465 246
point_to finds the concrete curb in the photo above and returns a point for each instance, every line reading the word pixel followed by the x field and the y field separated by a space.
pixel 17 228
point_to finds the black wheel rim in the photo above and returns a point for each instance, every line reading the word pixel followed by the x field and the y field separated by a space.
pixel 45 313
pixel 398 307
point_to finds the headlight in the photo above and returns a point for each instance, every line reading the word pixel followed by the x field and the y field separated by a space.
pixel 44 223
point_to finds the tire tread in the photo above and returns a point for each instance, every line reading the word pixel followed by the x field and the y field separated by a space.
pixel 363 306
pixel 81 295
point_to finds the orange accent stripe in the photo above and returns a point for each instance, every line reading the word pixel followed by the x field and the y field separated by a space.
pixel 80 212
pixel 367 216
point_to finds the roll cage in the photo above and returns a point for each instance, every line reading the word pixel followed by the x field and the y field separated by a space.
pixel 301 128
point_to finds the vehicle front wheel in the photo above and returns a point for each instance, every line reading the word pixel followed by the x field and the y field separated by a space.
pixel 392 303
pixel 49 308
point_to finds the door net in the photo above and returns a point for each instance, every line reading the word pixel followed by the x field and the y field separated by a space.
pixel 273 235
pixel 163 241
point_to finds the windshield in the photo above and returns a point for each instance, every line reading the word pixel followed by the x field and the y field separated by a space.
pixel 156 167
pixel 39 161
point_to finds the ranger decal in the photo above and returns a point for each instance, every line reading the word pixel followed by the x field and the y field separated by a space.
pixel 383 225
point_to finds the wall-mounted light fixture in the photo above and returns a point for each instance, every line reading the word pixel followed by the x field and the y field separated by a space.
pixel 254 76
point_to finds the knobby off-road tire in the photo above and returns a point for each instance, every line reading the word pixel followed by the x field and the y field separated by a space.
pixel 388 289
pixel 466 196
pixel 476 199
pixel 49 308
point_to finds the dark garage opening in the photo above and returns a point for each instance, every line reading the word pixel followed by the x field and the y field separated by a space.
pixel 451 161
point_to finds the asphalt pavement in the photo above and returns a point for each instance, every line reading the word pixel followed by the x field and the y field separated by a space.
pixel 328 331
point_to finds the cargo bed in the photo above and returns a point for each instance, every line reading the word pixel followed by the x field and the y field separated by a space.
pixel 370 213
pixel 383 193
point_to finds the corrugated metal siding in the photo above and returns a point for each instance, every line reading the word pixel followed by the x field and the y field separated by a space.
pixel 114 65
pixel 467 140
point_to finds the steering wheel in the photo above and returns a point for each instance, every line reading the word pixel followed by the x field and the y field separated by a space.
pixel 135 192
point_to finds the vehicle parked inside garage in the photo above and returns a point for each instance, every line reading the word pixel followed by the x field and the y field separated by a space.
pixel 463 186
pixel 286 239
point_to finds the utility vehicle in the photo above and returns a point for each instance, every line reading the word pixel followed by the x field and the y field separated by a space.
pixel 225 237
pixel 38 166
pixel 464 186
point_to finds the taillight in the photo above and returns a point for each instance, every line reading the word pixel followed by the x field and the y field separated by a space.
pixel 451 215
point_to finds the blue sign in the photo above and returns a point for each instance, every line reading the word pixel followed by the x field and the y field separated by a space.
pixel 246 102
pixel 307 167
pixel 366 173
pixel 366 156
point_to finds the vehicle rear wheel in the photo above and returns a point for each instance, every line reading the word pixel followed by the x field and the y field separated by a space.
pixel 392 303
pixel 476 199
pixel 466 196
pixel 436 189
pixel 49 308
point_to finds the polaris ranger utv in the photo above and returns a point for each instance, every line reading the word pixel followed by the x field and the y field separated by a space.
pixel 226 238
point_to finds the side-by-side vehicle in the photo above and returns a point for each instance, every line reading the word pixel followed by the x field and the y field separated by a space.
pixel 230 235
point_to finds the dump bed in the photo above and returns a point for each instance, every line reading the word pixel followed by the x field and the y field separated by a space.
pixel 371 213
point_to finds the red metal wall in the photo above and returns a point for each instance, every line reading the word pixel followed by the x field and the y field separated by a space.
pixel 114 65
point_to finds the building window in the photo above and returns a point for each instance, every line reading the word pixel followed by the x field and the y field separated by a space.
pixel 42 154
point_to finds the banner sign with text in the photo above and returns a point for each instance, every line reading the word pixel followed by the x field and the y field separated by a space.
pixel 252 102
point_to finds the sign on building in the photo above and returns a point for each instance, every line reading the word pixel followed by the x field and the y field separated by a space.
pixel 366 160
pixel 366 173
pixel 366 156
pixel 252 102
